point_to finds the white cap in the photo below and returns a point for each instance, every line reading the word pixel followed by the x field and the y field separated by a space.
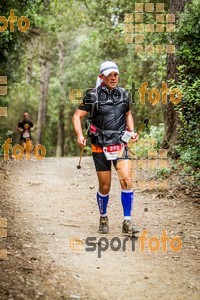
pixel 106 68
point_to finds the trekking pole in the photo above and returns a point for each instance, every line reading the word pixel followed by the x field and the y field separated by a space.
pixel 79 164
pixel 145 122
pixel 81 152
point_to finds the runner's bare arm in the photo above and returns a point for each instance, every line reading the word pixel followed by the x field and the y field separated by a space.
pixel 129 121
pixel 76 121
pixel 130 125
pixel 19 129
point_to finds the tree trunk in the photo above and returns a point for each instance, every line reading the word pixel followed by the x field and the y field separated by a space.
pixel 29 66
pixel 42 112
pixel 61 121
pixel 169 114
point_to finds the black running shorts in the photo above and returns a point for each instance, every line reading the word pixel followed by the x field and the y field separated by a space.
pixel 101 163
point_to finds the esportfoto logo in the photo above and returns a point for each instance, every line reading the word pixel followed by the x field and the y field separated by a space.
pixel 152 244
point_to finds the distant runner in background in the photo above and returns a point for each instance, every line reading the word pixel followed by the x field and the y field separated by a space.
pixel 25 127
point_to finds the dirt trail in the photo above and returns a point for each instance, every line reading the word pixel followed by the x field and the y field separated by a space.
pixel 50 202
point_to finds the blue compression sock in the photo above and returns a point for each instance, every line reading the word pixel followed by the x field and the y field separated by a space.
pixel 102 201
pixel 127 197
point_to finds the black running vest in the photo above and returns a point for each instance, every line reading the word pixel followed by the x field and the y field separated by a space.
pixel 108 113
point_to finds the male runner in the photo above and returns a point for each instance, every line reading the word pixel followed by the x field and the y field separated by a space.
pixel 25 127
pixel 110 116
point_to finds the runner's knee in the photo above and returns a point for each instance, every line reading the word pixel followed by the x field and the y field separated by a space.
pixel 104 188
pixel 126 183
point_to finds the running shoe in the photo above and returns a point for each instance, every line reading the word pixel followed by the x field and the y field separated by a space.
pixel 103 225
pixel 128 228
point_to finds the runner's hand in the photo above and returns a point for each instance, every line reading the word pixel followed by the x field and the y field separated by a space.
pixel 134 136
pixel 81 141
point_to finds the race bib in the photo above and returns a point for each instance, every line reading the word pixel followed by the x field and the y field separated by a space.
pixel 26 134
pixel 113 152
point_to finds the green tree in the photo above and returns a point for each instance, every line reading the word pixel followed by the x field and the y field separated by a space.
pixel 188 39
